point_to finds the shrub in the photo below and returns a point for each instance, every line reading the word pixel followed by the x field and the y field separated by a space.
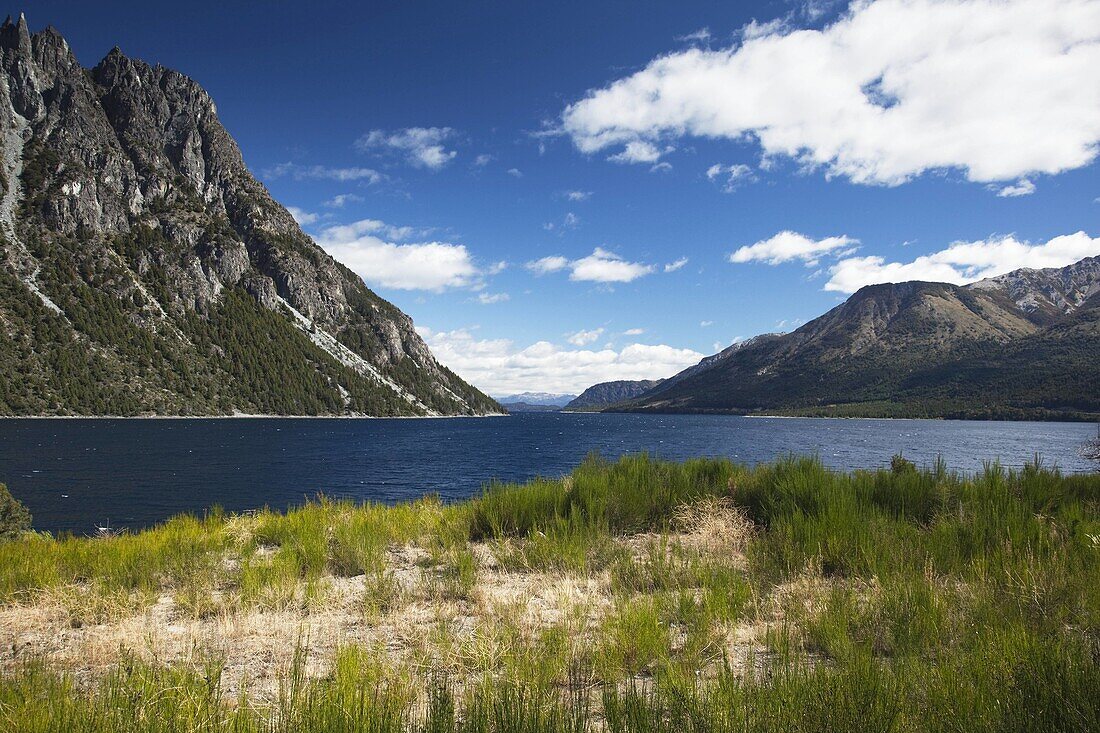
pixel 14 517
pixel 899 464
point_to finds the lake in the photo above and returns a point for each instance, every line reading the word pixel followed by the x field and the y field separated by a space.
pixel 73 474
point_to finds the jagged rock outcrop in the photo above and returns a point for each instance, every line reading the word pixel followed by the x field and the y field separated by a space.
pixel 136 243
pixel 1022 345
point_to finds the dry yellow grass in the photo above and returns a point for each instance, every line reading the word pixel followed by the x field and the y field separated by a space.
pixel 85 633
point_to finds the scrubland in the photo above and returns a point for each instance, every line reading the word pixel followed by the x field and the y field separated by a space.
pixel 636 595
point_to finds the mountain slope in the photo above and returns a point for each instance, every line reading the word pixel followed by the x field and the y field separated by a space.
pixel 144 270
pixel 604 394
pixel 1020 345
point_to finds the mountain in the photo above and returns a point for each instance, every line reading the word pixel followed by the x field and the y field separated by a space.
pixel 543 399
pixel 605 394
pixel 144 270
pixel 528 407
pixel 1021 345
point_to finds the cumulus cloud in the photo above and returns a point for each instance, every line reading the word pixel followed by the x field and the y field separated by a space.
pixel 546 265
pixel 633 332
pixel 963 262
pixel 491 298
pixel 584 338
pixel 1022 187
pixel 607 267
pixel 499 366
pixel 433 266
pixel 601 266
pixel 515 173
pixel 894 88
pixel 638 151
pixel 423 147
pixel 303 217
pixel 731 176
pixel 787 245
pixel 678 264
pixel 578 195
pixel 322 172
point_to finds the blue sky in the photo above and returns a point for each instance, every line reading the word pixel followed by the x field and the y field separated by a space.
pixel 561 193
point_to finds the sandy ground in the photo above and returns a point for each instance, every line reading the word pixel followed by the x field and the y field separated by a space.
pixel 256 647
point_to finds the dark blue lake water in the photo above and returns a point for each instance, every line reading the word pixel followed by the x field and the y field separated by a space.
pixel 73 474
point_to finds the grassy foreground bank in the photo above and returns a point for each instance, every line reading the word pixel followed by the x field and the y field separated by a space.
pixel 629 596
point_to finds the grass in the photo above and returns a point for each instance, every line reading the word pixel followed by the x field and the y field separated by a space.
pixel 635 595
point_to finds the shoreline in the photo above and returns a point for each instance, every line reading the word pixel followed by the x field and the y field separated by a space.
pixel 244 416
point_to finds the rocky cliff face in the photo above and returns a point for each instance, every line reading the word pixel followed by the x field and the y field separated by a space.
pixel 1048 293
pixel 142 261
pixel 1020 345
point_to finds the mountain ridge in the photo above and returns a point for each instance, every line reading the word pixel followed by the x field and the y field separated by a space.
pixel 1018 345
pixel 144 270
pixel 605 394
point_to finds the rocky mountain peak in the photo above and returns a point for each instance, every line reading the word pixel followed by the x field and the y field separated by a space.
pixel 15 36
pixel 1047 292
pixel 121 182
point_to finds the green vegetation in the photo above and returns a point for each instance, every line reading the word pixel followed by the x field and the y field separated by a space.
pixel 121 349
pixel 14 517
pixel 637 595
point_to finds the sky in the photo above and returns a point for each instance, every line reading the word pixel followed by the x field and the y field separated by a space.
pixel 572 192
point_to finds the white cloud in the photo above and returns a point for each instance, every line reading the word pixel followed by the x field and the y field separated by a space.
pixel 700 36
pixel 638 151
pixel 601 266
pixel 497 267
pixel 633 332
pixel 483 160
pixel 515 173
pixel 963 262
pixel 491 298
pixel 578 195
pixel 998 90
pixel 705 324
pixel 732 175
pixel 303 217
pixel 584 338
pixel 338 201
pixel 347 232
pixel 499 366
pixel 787 245
pixel 1022 187
pixel 674 266
pixel 434 266
pixel 321 172
pixel 663 167
pixel 547 265
pixel 607 267
pixel 422 147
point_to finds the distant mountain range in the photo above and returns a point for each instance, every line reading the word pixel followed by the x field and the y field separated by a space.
pixel 535 402
pixel 537 399
pixel 1025 345
pixel 144 270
